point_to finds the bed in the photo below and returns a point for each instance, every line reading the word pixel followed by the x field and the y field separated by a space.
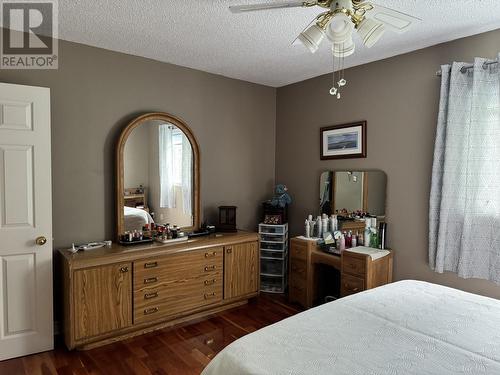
pixel 135 218
pixel 408 327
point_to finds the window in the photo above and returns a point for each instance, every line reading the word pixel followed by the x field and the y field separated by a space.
pixel 177 156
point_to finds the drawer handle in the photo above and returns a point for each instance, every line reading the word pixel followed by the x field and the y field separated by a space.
pixel 123 269
pixel 229 250
pixel 210 268
pixel 209 295
pixel 151 265
pixel 150 280
pixel 210 255
pixel 210 282
pixel 348 287
pixel 209 341
pixel 151 295
pixel 152 310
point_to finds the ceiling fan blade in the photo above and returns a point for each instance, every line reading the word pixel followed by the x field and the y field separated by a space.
pixel 265 6
pixel 394 20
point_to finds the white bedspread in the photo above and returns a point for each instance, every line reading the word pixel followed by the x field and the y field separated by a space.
pixel 408 327
pixel 135 218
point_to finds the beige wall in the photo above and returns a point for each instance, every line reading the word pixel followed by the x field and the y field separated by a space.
pixel 399 99
pixel 136 159
pixel 95 92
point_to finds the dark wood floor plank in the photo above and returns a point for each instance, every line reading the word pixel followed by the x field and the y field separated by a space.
pixel 181 350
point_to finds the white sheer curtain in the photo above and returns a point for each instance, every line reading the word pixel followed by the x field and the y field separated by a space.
pixel 187 175
pixel 464 216
pixel 166 165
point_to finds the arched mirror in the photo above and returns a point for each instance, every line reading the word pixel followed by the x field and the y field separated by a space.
pixel 158 173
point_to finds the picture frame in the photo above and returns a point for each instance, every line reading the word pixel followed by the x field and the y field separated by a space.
pixel 344 141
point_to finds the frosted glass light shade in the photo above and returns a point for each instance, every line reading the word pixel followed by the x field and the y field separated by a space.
pixel 343 49
pixel 370 31
pixel 312 38
pixel 339 29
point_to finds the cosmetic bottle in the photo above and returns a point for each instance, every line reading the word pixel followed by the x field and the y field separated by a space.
pixel 373 238
pixel 367 237
pixel 342 243
pixel 348 240
pixel 382 235
pixel 319 229
pixel 307 227
pixel 354 240
pixel 324 223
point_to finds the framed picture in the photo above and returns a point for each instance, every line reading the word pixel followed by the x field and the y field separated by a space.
pixel 343 141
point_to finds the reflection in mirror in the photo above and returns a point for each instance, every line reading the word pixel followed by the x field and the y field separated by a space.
pixel 157 176
pixel 352 191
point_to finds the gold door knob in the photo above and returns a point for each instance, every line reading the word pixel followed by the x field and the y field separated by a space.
pixel 40 241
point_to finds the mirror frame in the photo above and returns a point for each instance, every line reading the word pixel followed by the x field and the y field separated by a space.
pixel 120 201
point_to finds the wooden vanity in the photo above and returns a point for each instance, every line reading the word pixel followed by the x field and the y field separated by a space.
pixel 114 293
pixel 358 272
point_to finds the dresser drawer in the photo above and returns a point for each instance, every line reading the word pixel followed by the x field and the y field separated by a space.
pixel 154 271
pixel 298 269
pixel 354 264
pixel 298 250
pixel 174 298
pixel 351 285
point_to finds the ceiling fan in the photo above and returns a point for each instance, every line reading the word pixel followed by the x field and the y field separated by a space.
pixel 340 20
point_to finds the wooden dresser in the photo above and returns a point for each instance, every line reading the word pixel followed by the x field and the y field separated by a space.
pixel 118 292
pixel 358 272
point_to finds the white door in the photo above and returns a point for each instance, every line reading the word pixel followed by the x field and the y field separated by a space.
pixel 26 323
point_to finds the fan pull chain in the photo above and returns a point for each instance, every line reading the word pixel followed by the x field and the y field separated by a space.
pixel 340 82
pixel 333 90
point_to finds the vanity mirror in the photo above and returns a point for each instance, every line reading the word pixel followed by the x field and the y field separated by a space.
pixel 158 174
pixel 353 191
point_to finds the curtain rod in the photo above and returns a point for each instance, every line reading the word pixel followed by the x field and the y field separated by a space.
pixel 470 66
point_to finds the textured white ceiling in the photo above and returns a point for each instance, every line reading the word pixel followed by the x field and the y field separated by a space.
pixel 256 46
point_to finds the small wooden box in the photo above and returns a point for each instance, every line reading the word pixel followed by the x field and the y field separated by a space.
pixel 227 219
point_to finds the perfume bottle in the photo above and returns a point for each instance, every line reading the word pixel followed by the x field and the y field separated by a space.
pixel 342 243
pixel 348 240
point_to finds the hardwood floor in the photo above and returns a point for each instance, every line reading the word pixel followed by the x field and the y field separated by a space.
pixel 182 350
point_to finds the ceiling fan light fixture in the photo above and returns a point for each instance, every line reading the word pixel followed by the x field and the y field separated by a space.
pixel 312 37
pixel 343 49
pixel 339 29
pixel 370 31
